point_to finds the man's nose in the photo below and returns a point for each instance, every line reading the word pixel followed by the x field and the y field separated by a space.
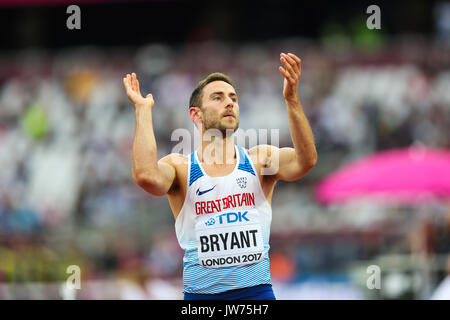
pixel 230 103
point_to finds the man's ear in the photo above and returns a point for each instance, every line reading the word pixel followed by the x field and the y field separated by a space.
pixel 196 114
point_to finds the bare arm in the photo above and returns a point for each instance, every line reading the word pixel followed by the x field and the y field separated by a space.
pixel 291 163
pixel 156 177
pixel 295 163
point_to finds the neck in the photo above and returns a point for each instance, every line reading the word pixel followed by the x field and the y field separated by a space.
pixel 217 149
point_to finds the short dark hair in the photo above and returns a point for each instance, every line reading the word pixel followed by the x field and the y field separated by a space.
pixel 197 94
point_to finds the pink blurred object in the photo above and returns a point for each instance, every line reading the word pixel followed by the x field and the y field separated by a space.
pixel 412 175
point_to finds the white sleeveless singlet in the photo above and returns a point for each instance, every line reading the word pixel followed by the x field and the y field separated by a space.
pixel 224 228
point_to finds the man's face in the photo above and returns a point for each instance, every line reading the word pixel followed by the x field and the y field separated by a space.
pixel 220 107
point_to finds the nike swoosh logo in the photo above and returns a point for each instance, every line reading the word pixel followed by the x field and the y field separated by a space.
pixel 199 193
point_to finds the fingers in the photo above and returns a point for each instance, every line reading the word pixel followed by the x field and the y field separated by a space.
pixel 135 83
pixel 292 65
pixel 291 62
pixel 131 83
pixel 297 59
pixel 298 62
pixel 127 83
pixel 286 74
pixel 287 71
pixel 283 72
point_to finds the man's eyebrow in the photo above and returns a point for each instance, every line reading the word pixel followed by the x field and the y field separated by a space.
pixel 221 93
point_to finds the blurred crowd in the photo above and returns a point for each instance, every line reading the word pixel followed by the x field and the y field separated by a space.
pixel 66 133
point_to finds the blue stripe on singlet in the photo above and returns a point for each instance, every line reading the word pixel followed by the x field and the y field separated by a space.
pixel 196 172
pixel 244 163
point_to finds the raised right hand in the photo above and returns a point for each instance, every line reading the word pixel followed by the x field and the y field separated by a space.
pixel 131 84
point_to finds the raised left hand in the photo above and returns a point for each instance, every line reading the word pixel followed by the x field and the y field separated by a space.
pixel 291 72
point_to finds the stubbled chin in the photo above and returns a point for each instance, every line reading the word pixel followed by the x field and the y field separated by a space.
pixel 229 125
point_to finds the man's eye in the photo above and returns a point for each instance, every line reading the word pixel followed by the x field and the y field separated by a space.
pixel 217 98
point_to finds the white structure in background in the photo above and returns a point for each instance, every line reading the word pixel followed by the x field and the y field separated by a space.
pixel 442 292
pixel 67 292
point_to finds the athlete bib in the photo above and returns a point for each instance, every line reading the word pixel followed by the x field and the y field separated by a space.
pixel 229 238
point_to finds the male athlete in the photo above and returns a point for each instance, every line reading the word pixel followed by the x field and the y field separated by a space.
pixel 220 195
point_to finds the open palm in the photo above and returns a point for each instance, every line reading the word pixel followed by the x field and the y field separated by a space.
pixel 131 84
pixel 291 72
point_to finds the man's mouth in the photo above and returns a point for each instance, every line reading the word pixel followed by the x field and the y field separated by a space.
pixel 229 115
